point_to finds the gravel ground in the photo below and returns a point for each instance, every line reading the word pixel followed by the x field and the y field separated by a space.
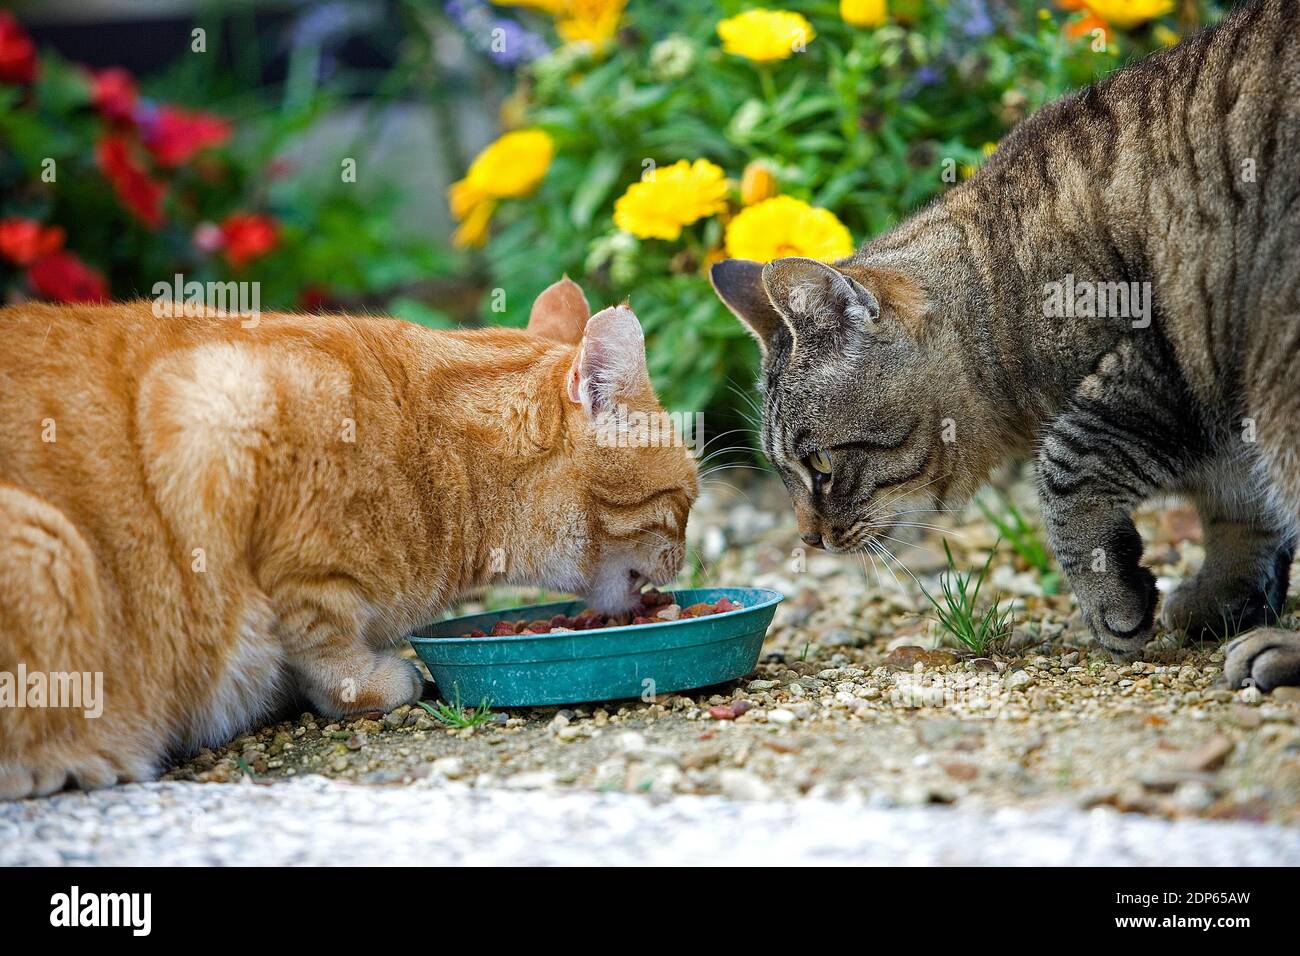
pixel 317 822
pixel 859 721
pixel 856 699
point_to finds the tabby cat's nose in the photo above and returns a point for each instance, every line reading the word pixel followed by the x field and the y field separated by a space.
pixel 813 538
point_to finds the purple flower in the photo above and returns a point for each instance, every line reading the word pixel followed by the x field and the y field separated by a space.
pixel 926 76
pixel 505 40
pixel 512 44
pixel 972 16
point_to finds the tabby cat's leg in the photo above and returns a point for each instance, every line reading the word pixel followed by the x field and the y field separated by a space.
pixel 336 669
pixel 1119 441
pixel 1270 657
pixel 1242 582
pixel 85 728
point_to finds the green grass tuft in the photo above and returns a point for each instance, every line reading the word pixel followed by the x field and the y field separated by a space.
pixel 1025 539
pixel 957 610
pixel 456 715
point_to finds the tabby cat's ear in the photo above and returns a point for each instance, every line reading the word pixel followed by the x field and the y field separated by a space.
pixel 739 284
pixel 560 312
pixel 611 362
pixel 817 299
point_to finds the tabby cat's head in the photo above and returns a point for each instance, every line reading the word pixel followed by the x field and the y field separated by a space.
pixel 631 486
pixel 851 417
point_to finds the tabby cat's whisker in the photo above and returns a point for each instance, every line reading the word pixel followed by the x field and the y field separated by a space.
pixel 719 469
pixel 884 556
pixel 928 527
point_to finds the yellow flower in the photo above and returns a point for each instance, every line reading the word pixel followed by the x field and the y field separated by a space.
pixel 1164 36
pixel 463 198
pixel 757 183
pixel 1127 14
pixel 677 196
pixel 589 21
pixel 512 166
pixel 553 7
pixel 473 231
pixel 785 226
pixel 864 13
pixel 765 35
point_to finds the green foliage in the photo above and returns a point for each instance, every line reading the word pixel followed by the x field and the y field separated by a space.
pixel 864 123
pixel 336 239
pixel 456 715
pixel 957 611
pixel 1025 539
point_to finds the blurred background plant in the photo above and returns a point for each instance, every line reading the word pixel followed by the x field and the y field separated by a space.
pixel 628 144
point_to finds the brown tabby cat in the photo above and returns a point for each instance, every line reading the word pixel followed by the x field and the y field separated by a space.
pixel 218 519
pixel 1117 289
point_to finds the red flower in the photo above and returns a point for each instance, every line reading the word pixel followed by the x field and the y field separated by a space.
pixel 248 235
pixel 174 135
pixel 313 298
pixel 62 277
pixel 137 192
pixel 115 94
pixel 17 52
pixel 23 241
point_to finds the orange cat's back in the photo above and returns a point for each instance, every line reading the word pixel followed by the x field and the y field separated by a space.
pixel 135 454
pixel 213 517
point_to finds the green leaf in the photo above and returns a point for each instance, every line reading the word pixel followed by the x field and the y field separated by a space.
pixel 61 87
pixel 601 175
pixel 413 310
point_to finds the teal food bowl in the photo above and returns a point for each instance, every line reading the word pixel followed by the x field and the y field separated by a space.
pixel 572 667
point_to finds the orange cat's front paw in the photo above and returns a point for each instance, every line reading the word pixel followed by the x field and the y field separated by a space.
pixel 18 782
pixel 374 683
pixel 39 778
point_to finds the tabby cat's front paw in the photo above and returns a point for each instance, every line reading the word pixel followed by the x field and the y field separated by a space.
pixel 1268 658
pixel 1204 608
pixel 1120 608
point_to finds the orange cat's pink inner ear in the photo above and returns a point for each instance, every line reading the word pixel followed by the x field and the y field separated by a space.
pixel 575 379
pixel 560 313
pixel 611 363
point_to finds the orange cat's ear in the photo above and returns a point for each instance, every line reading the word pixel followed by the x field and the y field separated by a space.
pixel 611 363
pixel 560 313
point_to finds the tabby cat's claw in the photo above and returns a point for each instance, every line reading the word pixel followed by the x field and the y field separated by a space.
pixel 1265 658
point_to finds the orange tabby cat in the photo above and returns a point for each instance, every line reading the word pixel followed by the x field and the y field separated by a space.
pixel 221 519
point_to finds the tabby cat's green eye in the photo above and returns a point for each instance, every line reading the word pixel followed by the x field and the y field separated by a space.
pixel 820 462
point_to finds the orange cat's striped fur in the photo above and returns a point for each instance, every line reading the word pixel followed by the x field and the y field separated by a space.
pixel 223 519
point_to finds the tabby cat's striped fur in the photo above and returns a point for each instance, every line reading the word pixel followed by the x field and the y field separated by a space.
pixel 928 357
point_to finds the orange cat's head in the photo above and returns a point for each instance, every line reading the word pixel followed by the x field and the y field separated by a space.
pixel 625 475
